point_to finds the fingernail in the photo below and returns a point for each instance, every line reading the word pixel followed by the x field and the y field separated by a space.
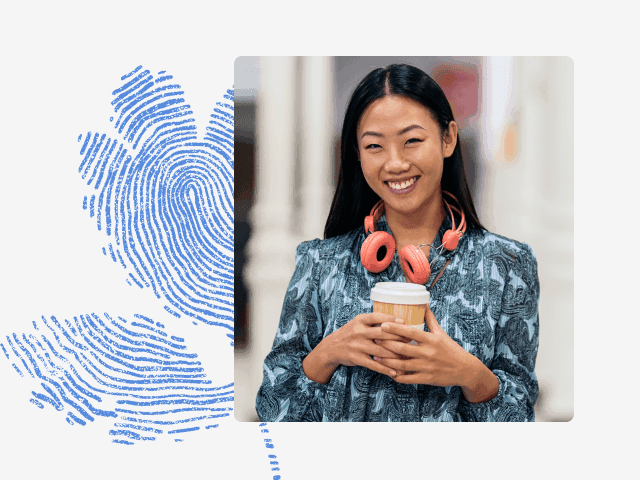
pixel 399 320
pixel 392 373
pixel 377 359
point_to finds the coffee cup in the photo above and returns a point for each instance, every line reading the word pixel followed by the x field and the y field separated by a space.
pixel 407 301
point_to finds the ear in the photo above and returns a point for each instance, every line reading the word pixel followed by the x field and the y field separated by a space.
pixel 450 139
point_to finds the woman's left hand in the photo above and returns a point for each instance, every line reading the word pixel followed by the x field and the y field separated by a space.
pixel 438 360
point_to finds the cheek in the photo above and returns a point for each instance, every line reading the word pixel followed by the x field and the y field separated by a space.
pixel 370 174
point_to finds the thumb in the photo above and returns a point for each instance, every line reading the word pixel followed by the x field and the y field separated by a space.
pixel 432 322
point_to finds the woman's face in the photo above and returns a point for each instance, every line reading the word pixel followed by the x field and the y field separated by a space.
pixel 402 152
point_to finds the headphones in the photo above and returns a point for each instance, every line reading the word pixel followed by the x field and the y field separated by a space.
pixel 378 248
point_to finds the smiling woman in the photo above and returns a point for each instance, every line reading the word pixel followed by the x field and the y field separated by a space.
pixel 402 183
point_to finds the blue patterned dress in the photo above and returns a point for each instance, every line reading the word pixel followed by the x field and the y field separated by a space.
pixel 486 300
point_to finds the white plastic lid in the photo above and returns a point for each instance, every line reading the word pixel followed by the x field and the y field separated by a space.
pixel 400 293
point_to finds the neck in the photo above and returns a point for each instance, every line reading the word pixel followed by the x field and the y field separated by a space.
pixel 420 226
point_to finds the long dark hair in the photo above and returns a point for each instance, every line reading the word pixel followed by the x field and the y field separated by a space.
pixel 354 198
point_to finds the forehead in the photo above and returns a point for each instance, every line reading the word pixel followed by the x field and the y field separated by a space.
pixel 392 113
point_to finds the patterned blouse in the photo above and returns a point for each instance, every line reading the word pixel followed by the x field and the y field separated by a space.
pixel 486 300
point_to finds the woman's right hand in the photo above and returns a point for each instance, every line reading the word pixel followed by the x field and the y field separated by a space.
pixel 351 345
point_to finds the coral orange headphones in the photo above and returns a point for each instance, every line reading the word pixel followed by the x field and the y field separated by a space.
pixel 378 248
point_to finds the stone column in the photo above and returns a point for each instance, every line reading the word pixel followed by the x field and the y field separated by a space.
pixel 271 250
pixel 316 152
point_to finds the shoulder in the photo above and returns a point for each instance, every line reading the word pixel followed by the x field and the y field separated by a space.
pixel 493 246
pixel 330 248
pixel 511 259
pixel 320 262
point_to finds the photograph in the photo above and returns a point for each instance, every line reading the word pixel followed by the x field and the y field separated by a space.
pixel 404 239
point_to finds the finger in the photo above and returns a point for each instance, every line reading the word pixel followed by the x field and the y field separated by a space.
pixel 383 343
pixel 402 348
pixel 399 364
pixel 406 331
pixel 432 322
pixel 371 364
pixel 409 378
pixel 380 351
pixel 379 334
pixel 378 318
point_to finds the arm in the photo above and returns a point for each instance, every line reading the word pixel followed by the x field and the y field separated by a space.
pixel 507 390
pixel 286 393
pixel 301 361
pixel 516 348
pixel 352 344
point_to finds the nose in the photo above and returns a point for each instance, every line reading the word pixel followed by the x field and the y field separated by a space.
pixel 396 163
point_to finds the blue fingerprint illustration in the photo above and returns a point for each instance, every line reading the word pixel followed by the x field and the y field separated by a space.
pixel 130 371
pixel 165 197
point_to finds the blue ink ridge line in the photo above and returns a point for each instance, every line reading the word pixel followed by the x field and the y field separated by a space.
pixel 142 317
pixel 123 442
pixel 182 430
pixel 120 258
pixel 76 419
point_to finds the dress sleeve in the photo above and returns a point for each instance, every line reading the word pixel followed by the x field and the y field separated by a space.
pixel 516 347
pixel 286 394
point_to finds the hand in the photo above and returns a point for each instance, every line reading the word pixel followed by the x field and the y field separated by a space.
pixel 437 360
pixel 350 345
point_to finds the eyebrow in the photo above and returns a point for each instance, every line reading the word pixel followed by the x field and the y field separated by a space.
pixel 404 130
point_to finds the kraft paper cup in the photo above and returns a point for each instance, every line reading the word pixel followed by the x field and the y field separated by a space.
pixel 408 301
pixel 404 300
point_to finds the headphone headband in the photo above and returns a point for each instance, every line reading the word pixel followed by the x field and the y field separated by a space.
pixel 378 249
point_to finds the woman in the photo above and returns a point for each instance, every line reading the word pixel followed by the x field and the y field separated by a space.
pixel 334 360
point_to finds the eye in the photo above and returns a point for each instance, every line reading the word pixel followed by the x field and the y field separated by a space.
pixel 414 140
pixel 372 146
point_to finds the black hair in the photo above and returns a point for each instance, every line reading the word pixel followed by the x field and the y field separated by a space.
pixel 353 198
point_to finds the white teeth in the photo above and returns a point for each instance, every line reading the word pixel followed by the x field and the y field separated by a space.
pixel 403 185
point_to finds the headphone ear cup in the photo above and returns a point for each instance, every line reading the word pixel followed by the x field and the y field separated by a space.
pixel 450 240
pixel 415 264
pixel 377 251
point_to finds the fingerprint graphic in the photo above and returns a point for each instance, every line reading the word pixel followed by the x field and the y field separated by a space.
pixel 166 200
pixel 268 443
pixel 130 370
pixel 165 197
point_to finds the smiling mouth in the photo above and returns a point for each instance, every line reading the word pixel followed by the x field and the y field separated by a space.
pixel 399 186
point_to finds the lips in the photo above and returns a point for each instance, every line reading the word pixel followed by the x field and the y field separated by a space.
pixel 402 186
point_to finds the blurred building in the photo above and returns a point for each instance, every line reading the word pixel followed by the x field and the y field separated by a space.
pixel 516 127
